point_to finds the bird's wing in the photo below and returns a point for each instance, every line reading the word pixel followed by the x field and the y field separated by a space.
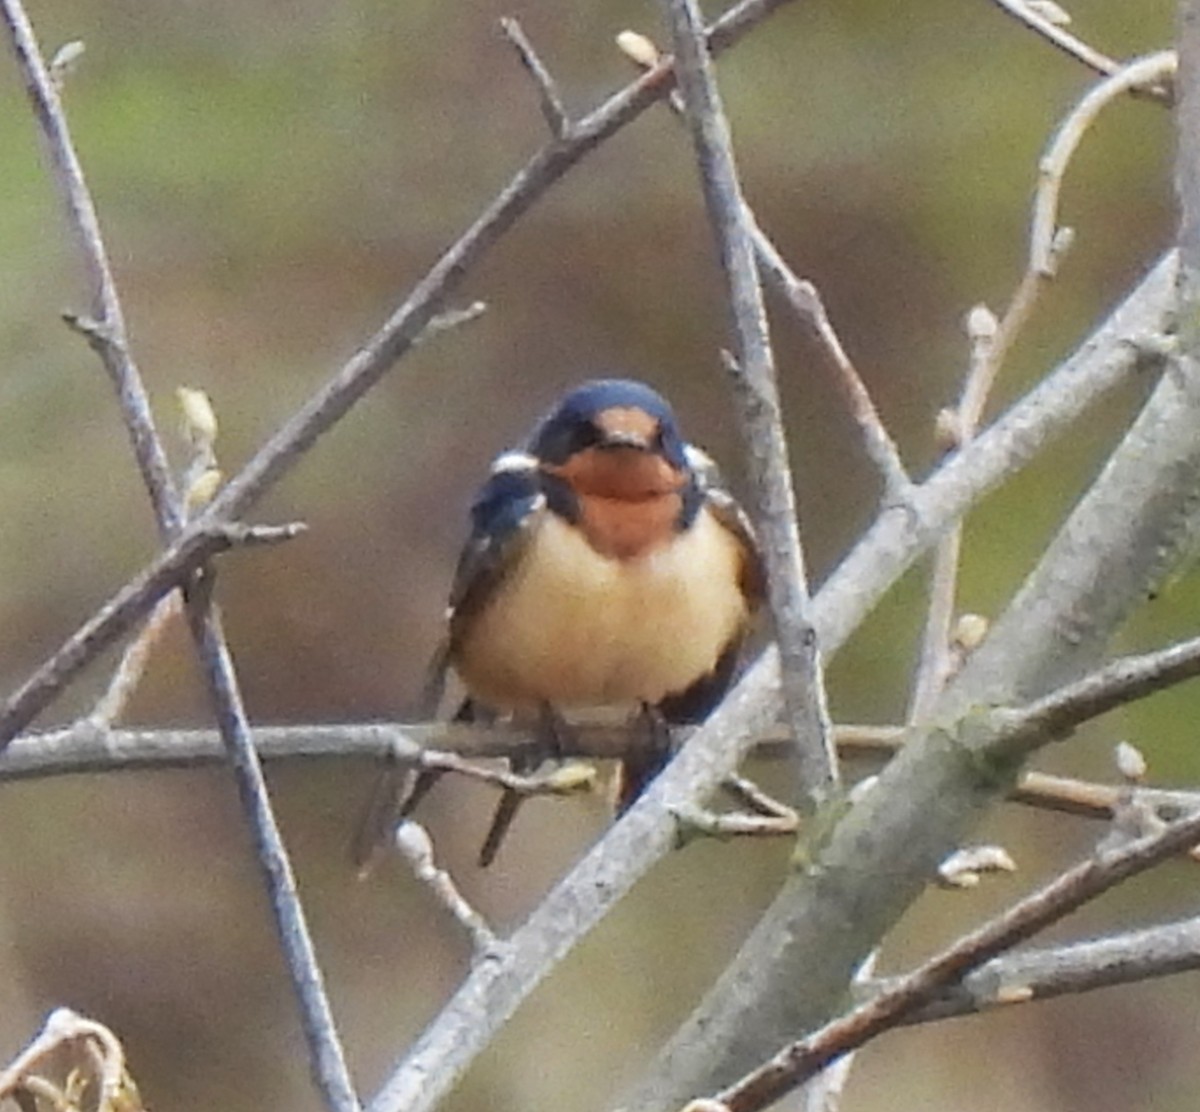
pixel 503 517
pixel 728 513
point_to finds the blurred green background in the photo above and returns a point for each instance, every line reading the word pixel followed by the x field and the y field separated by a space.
pixel 272 178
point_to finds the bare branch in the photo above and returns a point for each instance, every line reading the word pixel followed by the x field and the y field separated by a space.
pixel 399 333
pixel 414 845
pixel 128 674
pixel 991 342
pixel 1041 974
pixel 107 336
pixel 326 1058
pixel 132 603
pixel 87 749
pixel 106 332
pixel 758 403
pixel 1071 45
pixel 1053 166
pixel 549 99
pixel 805 301
pixel 803 1059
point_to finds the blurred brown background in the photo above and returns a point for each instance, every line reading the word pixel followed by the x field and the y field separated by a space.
pixel 272 178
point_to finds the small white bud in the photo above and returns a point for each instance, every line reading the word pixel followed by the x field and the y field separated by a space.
pixel 412 839
pixel 969 632
pixel 66 59
pixel 1131 762
pixel 947 430
pixel 965 867
pixel 1050 12
pixel 199 417
pixel 640 50
pixel 981 324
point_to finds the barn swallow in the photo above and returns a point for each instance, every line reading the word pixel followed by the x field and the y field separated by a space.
pixel 606 567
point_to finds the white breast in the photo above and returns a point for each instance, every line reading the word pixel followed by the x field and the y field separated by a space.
pixel 577 629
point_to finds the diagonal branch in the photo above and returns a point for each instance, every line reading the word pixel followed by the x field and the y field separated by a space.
pixel 108 335
pixel 1071 45
pixel 494 990
pixel 796 1063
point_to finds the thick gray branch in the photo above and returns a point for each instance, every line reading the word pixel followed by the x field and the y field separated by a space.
pixel 494 990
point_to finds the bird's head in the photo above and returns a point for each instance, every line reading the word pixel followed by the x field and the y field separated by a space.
pixel 613 438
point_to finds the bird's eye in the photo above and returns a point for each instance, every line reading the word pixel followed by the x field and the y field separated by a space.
pixel 586 436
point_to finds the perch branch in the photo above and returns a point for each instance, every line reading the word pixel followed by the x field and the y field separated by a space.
pixel 368 365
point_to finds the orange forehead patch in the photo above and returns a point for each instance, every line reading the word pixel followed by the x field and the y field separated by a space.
pixel 627 421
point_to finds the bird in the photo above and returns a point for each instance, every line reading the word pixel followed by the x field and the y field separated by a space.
pixel 606 568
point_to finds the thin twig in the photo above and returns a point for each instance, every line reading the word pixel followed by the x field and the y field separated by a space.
pixel 1053 165
pixel 107 336
pixel 695 820
pixel 1030 975
pixel 327 1060
pixel 414 844
pixel 549 99
pixel 133 602
pixel 398 334
pixel 570 779
pixel 803 1059
pixel 754 799
pixel 805 300
pixel 128 673
pixel 756 390
pixel 991 343
pixel 107 330
pixel 1069 44
pixel 824 1092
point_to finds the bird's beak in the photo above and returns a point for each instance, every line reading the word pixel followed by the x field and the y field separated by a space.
pixel 623 438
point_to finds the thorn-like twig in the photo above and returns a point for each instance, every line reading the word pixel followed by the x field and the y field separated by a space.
pixel 754 799
pixel 451 319
pixel 549 100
